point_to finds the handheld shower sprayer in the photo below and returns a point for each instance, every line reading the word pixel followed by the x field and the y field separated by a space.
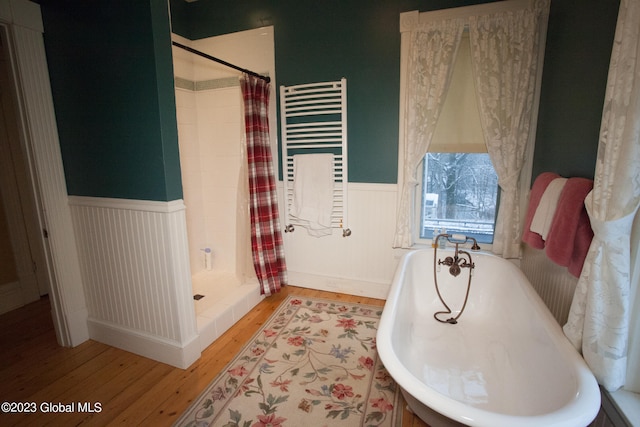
pixel 459 239
pixel 461 259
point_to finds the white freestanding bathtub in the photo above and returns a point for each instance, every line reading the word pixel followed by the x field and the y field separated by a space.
pixel 505 363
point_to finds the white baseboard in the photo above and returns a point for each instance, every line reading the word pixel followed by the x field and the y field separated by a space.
pixel 77 326
pixel 153 347
pixel 10 297
pixel 338 284
pixel 17 294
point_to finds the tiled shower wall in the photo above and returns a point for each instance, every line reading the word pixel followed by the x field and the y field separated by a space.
pixel 211 140
pixel 190 167
pixel 210 137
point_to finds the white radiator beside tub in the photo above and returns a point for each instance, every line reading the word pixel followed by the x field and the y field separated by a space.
pixel 554 283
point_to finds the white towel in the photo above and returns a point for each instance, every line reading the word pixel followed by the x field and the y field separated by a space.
pixel 542 219
pixel 313 192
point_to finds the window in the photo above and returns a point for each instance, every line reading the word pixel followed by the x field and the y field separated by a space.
pixel 459 194
pixel 430 51
pixel 459 186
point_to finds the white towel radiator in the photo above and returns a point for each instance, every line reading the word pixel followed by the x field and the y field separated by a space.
pixel 314 120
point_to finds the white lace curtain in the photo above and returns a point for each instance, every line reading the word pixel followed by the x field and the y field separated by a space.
pixel 432 51
pixel 598 323
pixel 504 47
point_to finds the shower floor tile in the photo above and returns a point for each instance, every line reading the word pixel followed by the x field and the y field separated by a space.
pixel 216 287
pixel 225 301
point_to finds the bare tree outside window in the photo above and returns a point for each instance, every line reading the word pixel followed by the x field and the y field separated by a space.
pixel 459 194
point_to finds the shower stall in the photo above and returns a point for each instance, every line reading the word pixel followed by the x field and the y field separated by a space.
pixel 214 173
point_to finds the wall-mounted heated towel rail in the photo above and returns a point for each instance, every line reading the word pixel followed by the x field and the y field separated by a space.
pixel 314 121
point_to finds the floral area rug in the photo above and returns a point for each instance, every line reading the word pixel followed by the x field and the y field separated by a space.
pixel 313 363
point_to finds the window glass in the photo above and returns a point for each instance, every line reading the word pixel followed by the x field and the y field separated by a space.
pixel 459 194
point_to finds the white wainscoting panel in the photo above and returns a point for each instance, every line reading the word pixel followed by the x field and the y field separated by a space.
pixel 135 266
pixel 361 264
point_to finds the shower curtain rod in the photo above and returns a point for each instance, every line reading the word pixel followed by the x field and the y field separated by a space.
pixel 220 61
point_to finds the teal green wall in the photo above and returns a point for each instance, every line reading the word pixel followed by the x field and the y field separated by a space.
pixel 111 75
pixel 112 81
pixel 360 40
pixel 579 42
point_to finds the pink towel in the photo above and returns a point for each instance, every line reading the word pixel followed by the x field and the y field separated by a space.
pixel 537 190
pixel 570 233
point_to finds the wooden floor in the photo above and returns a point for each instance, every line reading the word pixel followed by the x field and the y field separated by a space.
pixel 128 389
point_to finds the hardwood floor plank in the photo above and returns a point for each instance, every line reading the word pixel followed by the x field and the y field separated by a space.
pixel 131 389
pixel 33 373
pixel 115 381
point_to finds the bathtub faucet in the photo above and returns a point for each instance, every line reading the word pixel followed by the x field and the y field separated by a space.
pixel 458 261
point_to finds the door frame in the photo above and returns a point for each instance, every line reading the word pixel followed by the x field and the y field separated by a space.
pixel 39 138
pixel 18 197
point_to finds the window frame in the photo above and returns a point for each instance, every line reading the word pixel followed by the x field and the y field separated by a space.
pixel 417 218
pixel 408 20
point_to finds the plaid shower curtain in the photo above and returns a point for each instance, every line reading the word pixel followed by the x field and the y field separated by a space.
pixel 266 238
